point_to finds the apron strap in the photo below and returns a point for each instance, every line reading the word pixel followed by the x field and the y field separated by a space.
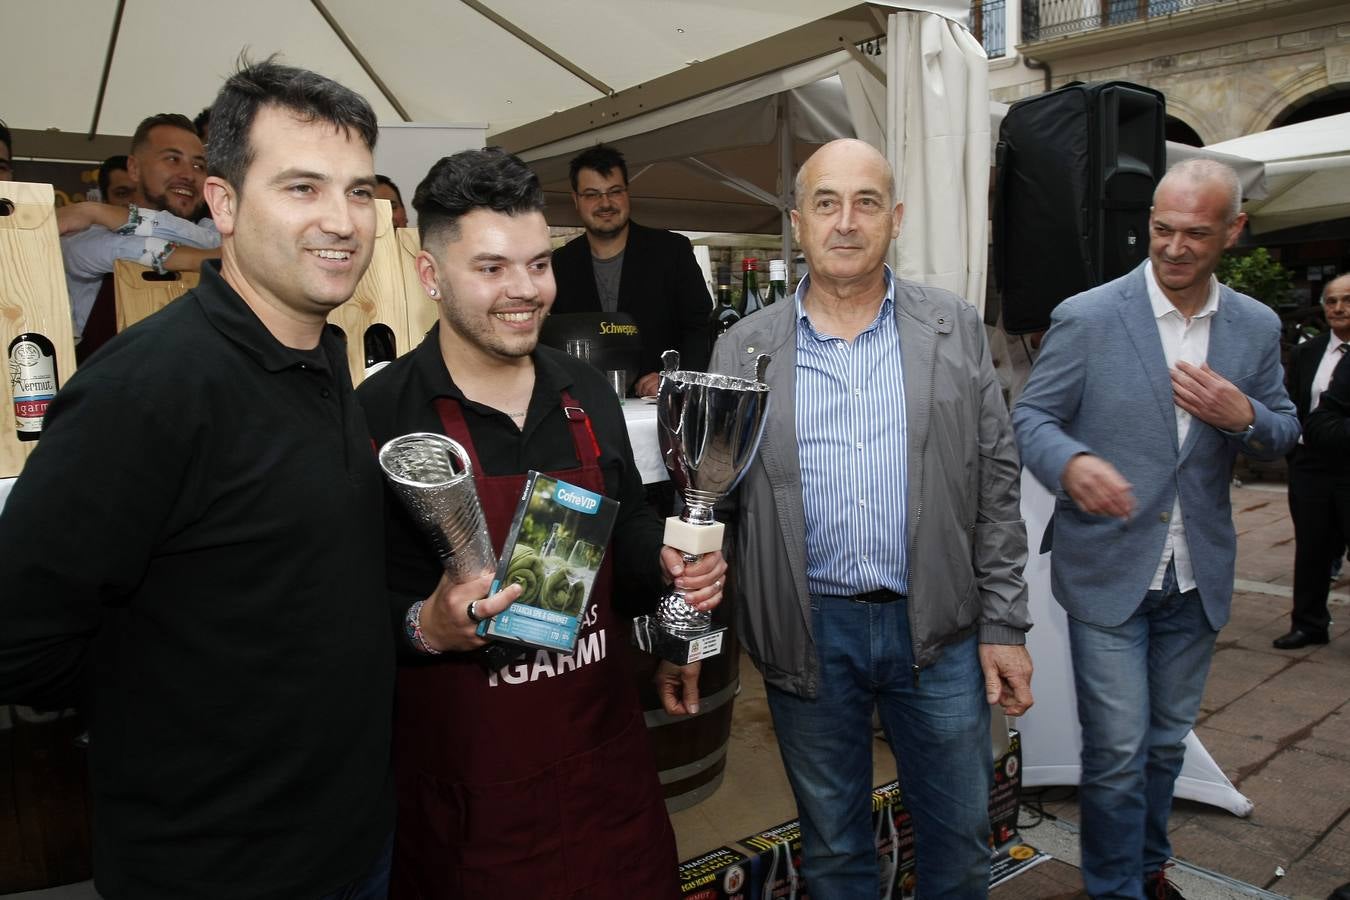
pixel 583 435
pixel 452 421
pixel 578 423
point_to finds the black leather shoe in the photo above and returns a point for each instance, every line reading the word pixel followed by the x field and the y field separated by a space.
pixel 1341 893
pixel 1298 638
pixel 1158 887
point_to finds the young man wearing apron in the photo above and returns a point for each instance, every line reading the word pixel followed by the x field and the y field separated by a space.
pixel 536 780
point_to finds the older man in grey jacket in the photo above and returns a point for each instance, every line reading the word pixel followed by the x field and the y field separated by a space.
pixel 878 542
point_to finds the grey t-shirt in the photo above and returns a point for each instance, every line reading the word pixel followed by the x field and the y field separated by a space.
pixel 607 274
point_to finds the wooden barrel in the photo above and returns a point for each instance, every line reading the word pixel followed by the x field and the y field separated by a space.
pixel 691 751
pixel 44 801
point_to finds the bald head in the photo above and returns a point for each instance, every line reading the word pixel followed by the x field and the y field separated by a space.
pixel 1205 174
pixel 1336 305
pixel 847 153
pixel 846 217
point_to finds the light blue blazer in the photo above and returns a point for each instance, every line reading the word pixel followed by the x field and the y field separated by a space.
pixel 1101 386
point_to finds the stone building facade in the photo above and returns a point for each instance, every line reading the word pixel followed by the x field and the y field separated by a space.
pixel 1227 67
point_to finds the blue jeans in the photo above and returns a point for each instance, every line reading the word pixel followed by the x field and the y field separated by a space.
pixel 374 884
pixel 1139 689
pixel 938 727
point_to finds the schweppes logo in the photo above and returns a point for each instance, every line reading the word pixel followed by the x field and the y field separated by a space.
pixel 616 328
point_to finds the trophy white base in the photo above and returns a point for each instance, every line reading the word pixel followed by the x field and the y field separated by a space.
pixel 650 637
pixel 693 539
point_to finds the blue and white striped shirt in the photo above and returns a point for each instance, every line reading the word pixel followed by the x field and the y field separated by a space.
pixel 851 438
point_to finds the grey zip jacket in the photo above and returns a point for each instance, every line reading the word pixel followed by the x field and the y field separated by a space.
pixel 967 542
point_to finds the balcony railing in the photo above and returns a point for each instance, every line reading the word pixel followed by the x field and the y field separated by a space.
pixel 988 23
pixel 1042 19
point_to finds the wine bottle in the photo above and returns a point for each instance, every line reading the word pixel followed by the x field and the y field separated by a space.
pixel 379 344
pixel 750 299
pixel 32 377
pixel 724 315
pixel 777 282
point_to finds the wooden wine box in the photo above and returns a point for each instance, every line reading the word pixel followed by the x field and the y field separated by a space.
pixel 140 291
pixel 379 296
pixel 32 296
pixel 422 310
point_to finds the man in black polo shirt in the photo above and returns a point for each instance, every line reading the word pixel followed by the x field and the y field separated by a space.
pixel 194 551
pixel 536 779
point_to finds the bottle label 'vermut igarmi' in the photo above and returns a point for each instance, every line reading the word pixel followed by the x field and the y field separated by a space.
pixel 33 383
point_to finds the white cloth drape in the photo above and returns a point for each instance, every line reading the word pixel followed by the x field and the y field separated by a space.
pixel 937 96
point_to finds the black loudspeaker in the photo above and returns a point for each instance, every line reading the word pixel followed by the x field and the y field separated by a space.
pixel 1076 168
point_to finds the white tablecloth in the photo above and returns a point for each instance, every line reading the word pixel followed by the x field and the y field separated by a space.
pixel 641 418
pixel 6 484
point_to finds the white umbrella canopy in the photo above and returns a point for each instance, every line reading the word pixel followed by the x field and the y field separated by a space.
pixel 500 63
pixel 1307 172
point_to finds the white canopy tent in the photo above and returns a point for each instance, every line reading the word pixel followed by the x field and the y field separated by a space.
pixel 1307 172
pixel 97 67
pixel 507 62
pixel 723 159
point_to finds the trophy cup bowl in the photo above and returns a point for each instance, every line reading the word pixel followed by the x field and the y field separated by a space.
pixel 709 427
pixel 433 476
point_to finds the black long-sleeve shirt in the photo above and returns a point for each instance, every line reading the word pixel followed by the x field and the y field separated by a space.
pixel 196 547
pixel 400 399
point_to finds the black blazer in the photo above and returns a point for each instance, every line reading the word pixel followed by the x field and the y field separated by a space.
pixel 661 287
pixel 1328 427
pixel 1303 363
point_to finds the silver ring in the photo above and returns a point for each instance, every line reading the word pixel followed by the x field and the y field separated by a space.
pixel 472 611
pixel 719 584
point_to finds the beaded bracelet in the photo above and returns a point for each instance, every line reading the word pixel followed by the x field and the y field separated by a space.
pixel 412 626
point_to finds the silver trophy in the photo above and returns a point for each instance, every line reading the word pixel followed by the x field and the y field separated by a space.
pixel 709 426
pixel 433 477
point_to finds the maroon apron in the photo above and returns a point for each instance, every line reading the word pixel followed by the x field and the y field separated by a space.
pixel 537 781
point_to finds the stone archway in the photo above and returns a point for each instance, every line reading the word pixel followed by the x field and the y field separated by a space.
pixel 1289 94
pixel 1180 132
pixel 1331 100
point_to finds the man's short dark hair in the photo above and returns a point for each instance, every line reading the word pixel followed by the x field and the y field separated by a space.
pixel 473 179
pixel 600 158
pixel 6 139
pixel 173 120
pixel 201 122
pixel 307 95
pixel 389 183
pixel 106 168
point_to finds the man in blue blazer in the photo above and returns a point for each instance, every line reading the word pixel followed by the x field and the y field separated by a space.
pixel 1145 391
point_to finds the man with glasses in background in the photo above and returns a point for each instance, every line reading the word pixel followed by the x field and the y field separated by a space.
pixel 1319 477
pixel 621 266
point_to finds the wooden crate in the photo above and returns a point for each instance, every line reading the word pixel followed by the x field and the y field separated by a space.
pixel 32 296
pixel 379 296
pixel 422 310
pixel 140 291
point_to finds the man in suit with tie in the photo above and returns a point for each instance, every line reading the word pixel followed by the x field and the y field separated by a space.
pixel 1146 389
pixel 1319 477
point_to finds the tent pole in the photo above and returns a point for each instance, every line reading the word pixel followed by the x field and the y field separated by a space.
pixel 785 180
pixel 107 67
